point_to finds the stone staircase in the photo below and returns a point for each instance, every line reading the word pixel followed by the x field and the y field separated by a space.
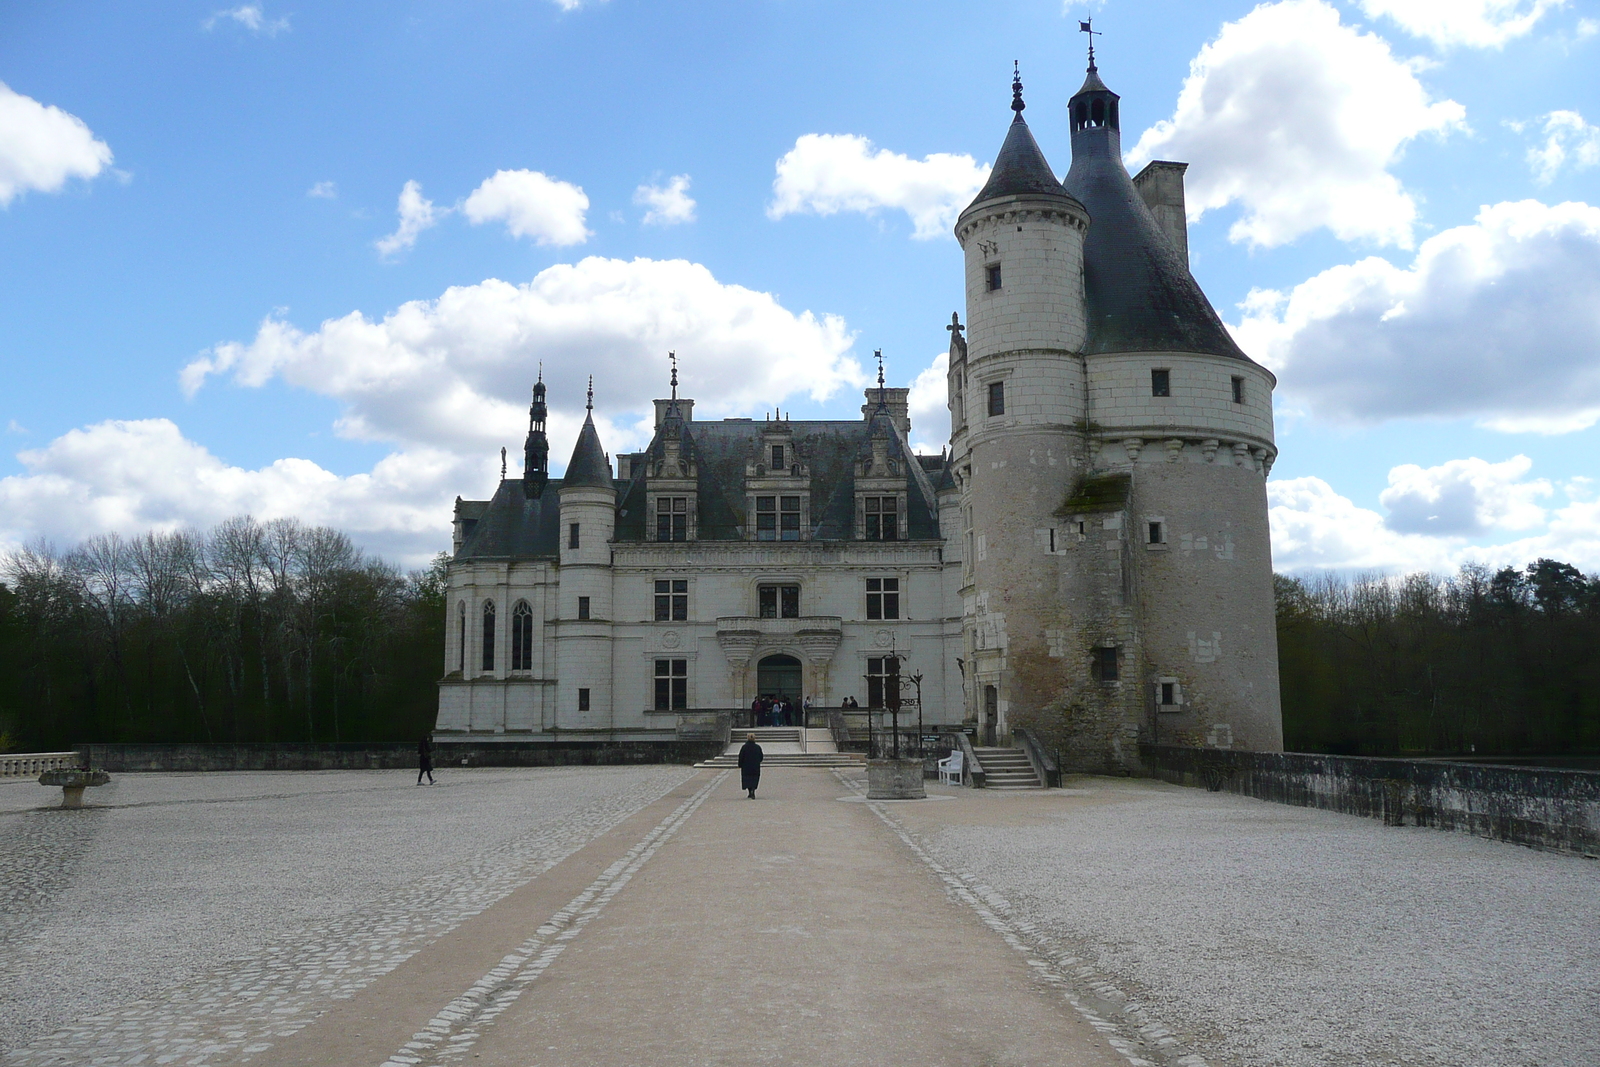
pixel 1007 768
pixel 781 747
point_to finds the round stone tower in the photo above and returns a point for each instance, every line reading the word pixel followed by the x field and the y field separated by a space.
pixel 1018 408
pixel 583 635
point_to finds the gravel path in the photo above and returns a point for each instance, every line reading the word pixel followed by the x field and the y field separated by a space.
pixel 286 888
pixel 1275 936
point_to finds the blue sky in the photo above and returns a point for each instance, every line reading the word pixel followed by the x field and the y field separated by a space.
pixel 306 262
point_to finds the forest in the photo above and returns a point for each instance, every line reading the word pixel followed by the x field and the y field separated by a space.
pixel 250 631
pixel 278 631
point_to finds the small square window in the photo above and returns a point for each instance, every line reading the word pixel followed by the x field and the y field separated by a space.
pixel 993 276
pixel 1157 532
pixel 572 536
pixel 1161 383
pixel 583 700
pixel 1238 390
pixel 1169 693
pixel 997 398
pixel 1105 660
pixel 583 607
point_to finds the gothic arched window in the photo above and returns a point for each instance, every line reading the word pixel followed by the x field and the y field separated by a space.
pixel 461 644
pixel 522 637
pixel 488 635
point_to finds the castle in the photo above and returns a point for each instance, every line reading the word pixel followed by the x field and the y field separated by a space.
pixel 1090 559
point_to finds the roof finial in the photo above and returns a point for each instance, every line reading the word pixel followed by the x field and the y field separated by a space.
pixel 1087 26
pixel 673 357
pixel 502 463
pixel 883 399
pixel 1016 90
pixel 590 405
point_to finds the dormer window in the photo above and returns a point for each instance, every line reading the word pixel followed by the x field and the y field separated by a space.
pixel 777 458
pixel 672 518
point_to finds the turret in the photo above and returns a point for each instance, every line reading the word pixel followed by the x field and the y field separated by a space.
pixel 584 610
pixel 536 450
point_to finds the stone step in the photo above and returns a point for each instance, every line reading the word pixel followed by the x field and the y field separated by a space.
pixel 797 759
pixel 1007 768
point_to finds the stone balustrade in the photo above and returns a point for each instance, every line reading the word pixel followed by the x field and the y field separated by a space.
pixel 33 764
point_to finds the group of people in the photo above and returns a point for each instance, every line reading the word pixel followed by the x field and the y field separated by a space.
pixel 768 710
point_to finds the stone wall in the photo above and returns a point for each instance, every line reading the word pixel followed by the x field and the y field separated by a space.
pixel 1540 807
pixel 391 756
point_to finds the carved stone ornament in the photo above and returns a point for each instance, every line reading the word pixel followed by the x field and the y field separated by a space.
pixel 819 645
pixel 738 645
pixel 671 639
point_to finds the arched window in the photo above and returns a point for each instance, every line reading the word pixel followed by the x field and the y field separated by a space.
pixel 488 635
pixel 1098 111
pixel 461 644
pixel 1083 117
pixel 1111 114
pixel 522 637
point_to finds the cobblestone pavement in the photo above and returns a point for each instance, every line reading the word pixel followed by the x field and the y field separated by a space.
pixel 199 917
pixel 1272 936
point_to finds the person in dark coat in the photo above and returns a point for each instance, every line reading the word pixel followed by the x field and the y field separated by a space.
pixel 425 759
pixel 750 757
pixel 755 712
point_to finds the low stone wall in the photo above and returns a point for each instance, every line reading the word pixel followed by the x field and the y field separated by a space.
pixel 1540 807
pixel 303 756
pixel 33 764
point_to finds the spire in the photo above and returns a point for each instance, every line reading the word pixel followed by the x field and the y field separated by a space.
pixel 1020 169
pixel 883 398
pixel 536 449
pixel 589 465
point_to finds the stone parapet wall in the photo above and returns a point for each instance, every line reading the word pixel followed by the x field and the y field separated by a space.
pixel 390 756
pixel 1535 806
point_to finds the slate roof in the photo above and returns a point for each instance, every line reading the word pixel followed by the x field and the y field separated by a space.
pixel 1140 294
pixel 589 465
pixel 1020 169
pixel 512 526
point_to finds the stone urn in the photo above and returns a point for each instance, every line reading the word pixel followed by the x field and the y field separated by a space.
pixel 73 782
pixel 895 779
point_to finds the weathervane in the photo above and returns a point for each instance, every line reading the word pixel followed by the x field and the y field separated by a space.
pixel 1087 26
pixel 883 400
pixel 590 405
pixel 1016 89
pixel 673 357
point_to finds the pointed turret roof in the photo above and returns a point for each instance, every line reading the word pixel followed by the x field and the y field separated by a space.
pixel 1020 169
pixel 1140 294
pixel 589 465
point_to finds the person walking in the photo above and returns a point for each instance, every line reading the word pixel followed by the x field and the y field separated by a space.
pixel 425 759
pixel 750 757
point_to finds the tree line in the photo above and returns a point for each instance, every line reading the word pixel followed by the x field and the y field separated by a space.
pixel 1483 662
pixel 250 631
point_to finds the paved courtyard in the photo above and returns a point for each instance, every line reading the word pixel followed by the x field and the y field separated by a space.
pixel 653 915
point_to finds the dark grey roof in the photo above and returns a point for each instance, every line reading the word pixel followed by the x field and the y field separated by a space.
pixel 510 525
pixel 589 466
pixel 829 449
pixel 1020 169
pixel 1093 84
pixel 1140 294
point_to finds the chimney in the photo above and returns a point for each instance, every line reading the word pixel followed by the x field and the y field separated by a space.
pixel 685 409
pixel 896 401
pixel 1160 183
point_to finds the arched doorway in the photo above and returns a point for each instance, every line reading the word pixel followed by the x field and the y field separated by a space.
pixel 779 676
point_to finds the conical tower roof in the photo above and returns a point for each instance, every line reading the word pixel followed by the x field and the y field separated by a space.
pixel 588 465
pixel 1020 169
pixel 1140 294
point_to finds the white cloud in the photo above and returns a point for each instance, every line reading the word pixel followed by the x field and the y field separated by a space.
pixel 827 173
pixel 455 372
pixel 667 204
pixel 1314 527
pixel 252 18
pixel 13 426
pixel 531 204
pixel 1495 320
pixel 1567 139
pixel 1464 496
pixel 1298 118
pixel 129 476
pixel 928 405
pixel 42 146
pixel 1468 23
pixel 324 191
pixel 1587 28
pixel 417 213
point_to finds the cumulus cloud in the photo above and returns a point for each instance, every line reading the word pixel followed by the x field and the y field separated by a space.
pixel 42 146
pixel 455 372
pixel 824 174
pixel 252 18
pixel 1463 23
pixel 531 204
pixel 666 205
pixel 1464 497
pixel 417 213
pixel 1567 139
pixel 1495 320
pixel 1297 118
pixel 324 191
pixel 928 405
pixel 129 476
pixel 1315 527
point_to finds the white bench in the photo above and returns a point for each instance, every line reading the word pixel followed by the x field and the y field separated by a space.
pixel 950 768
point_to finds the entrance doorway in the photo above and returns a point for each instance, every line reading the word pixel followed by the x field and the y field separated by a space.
pixel 779 676
pixel 991 714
